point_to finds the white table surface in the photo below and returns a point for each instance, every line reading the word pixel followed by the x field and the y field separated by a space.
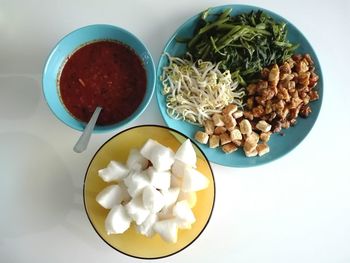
pixel 295 209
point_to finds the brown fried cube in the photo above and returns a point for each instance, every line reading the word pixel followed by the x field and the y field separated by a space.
pixel 214 141
pixel 225 138
pixel 218 120
pixel 201 137
pixel 229 148
pixel 219 130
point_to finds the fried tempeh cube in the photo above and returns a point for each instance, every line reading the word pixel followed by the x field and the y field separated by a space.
pixel 201 137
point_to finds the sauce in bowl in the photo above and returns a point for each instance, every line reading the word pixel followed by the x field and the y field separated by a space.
pixel 103 73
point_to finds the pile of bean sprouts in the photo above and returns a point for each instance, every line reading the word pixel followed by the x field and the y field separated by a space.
pixel 196 90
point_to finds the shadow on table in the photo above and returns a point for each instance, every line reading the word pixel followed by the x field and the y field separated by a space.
pixel 19 97
pixel 36 190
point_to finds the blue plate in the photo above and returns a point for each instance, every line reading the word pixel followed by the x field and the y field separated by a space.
pixel 279 145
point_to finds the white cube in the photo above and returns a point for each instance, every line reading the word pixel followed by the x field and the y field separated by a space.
pixel 186 153
pixel 146 228
pixel 167 229
pixel 135 182
pixel 112 195
pixel 160 156
pixel 136 210
pixel 160 180
pixel 136 161
pixel 114 172
pixel 194 180
pixel 153 200
pixel 117 220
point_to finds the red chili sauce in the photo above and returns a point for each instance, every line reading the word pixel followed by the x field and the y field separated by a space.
pixel 104 73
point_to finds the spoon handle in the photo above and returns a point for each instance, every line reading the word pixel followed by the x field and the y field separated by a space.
pixel 83 141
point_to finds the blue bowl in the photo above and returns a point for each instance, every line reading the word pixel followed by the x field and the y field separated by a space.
pixel 73 41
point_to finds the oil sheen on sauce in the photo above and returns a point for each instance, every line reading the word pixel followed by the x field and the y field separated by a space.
pixel 103 73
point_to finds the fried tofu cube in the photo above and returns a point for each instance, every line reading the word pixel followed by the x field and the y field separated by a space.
pixel 252 153
pixel 263 126
pixel 237 114
pixel 209 127
pixel 238 143
pixel 253 137
pixel 219 130
pixel 245 127
pixel 236 134
pixel 201 137
pixel 225 138
pixel 214 141
pixel 265 136
pixel 229 109
pixel 262 149
pixel 249 145
pixel 229 148
pixel 230 122
pixel 218 120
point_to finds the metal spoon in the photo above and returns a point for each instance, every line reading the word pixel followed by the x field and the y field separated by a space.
pixel 84 139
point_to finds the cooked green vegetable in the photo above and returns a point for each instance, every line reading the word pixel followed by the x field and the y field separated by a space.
pixel 245 43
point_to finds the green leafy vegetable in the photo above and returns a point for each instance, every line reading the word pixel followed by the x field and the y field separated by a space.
pixel 243 44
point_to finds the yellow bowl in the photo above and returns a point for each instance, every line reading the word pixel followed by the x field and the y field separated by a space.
pixel 130 242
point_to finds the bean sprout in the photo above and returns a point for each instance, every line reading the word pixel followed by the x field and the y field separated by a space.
pixel 196 90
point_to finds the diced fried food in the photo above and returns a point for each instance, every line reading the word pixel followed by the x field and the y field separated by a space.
pixel 219 130
pixel 262 149
pixel 209 127
pixel 263 126
pixel 274 75
pixel 225 138
pixel 253 137
pixel 229 109
pixel 218 120
pixel 214 141
pixel 245 127
pixel 236 134
pixel 201 137
pixel 230 122
pixel 248 115
pixel 265 136
pixel 238 143
pixel 249 146
pixel 251 88
pixel 237 114
pixel 229 148
pixel 252 153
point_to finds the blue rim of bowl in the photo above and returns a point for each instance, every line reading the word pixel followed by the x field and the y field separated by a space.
pixel 280 18
pixel 212 175
pixel 106 128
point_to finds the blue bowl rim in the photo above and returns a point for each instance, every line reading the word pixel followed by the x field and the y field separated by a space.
pixel 146 100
